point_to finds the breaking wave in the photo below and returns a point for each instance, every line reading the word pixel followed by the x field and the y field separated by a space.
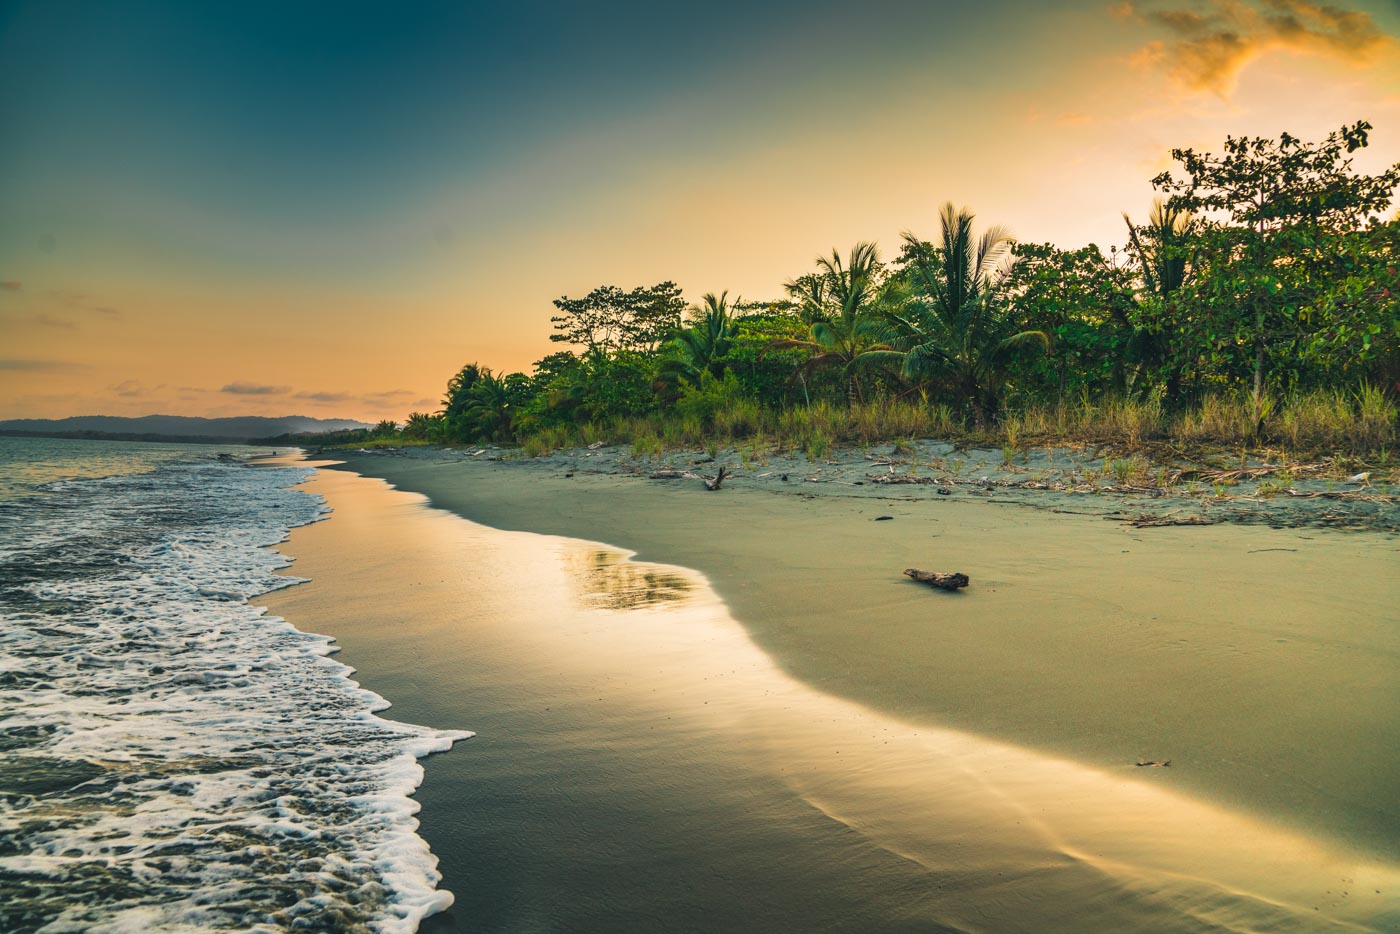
pixel 171 757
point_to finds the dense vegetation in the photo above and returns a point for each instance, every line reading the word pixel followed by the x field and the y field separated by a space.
pixel 1255 303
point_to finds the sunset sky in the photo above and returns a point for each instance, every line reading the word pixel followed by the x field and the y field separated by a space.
pixel 293 208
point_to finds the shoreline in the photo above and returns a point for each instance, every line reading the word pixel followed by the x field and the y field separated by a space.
pixel 1082 638
pixel 640 762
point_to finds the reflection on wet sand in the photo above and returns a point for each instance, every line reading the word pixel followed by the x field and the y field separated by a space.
pixel 607 580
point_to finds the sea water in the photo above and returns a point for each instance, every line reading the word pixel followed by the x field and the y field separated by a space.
pixel 172 758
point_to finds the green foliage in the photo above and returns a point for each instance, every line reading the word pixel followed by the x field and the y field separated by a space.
pixel 769 355
pixel 1083 302
pixel 614 320
pixel 421 427
pixel 1248 308
pixel 702 348
pixel 957 329
pixel 711 396
pixel 1290 260
pixel 843 303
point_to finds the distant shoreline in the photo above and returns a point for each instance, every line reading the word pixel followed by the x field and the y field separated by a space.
pixel 121 436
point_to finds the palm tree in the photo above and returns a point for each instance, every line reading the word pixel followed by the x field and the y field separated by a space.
pixel 843 303
pixel 1164 255
pixel 957 328
pixel 487 411
pixel 458 388
pixel 1163 251
pixel 702 347
pixel 419 426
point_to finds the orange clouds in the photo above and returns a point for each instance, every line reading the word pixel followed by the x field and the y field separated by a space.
pixel 1210 42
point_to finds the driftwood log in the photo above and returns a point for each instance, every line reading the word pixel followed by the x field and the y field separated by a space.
pixel 937 579
pixel 712 483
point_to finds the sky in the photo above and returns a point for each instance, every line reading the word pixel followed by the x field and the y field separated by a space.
pixel 262 208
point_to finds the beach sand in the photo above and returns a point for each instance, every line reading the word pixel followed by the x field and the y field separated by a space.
pixel 862 752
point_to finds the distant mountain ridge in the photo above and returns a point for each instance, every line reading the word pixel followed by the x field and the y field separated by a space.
pixel 243 428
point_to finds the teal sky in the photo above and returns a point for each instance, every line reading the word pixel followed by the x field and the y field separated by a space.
pixel 339 204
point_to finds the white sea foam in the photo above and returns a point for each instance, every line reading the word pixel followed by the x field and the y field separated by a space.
pixel 174 758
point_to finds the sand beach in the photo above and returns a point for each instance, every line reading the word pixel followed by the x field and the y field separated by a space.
pixel 706 711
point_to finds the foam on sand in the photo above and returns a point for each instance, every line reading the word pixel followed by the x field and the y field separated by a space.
pixel 175 758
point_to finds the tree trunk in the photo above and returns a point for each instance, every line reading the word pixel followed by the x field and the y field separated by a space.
pixel 1258 353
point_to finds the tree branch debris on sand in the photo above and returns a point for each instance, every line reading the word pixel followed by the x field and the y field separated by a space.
pixel 711 483
pixel 1149 521
pixel 675 475
pixel 938 579
pixel 1154 763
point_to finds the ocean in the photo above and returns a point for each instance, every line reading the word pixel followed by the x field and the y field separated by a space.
pixel 173 758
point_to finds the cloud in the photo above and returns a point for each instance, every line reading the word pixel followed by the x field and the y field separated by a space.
pixel 81 301
pixel 11 285
pixel 383 398
pixel 1209 42
pixel 45 320
pixel 127 387
pixel 36 366
pixel 254 389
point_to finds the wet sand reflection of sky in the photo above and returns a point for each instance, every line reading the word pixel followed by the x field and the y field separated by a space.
pixel 609 580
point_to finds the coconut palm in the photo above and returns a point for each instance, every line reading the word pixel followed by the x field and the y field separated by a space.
pixel 956 328
pixel 1163 248
pixel 419 426
pixel 844 304
pixel 487 413
pixel 702 347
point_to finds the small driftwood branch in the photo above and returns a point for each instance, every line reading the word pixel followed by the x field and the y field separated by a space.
pixel 943 581
pixel 1155 522
pixel 713 483
pixel 898 478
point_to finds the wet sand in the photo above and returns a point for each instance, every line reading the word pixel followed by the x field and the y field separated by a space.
pixel 642 764
pixel 1264 663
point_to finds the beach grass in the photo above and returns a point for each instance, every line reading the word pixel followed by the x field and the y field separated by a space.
pixel 1360 424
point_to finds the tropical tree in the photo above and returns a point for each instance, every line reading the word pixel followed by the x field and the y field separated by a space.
pixel 1083 301
pixel 1163 249
pixel 616 320
pixel 420 426
pixel 487 413
pixel 454 403
pixel 1292 254
pixel 956 328
pixel 844 303
pixel 704 346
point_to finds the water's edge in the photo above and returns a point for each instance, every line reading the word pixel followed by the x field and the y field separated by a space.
pixel 175 757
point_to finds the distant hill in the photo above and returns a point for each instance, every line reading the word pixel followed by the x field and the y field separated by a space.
pixel 175 427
